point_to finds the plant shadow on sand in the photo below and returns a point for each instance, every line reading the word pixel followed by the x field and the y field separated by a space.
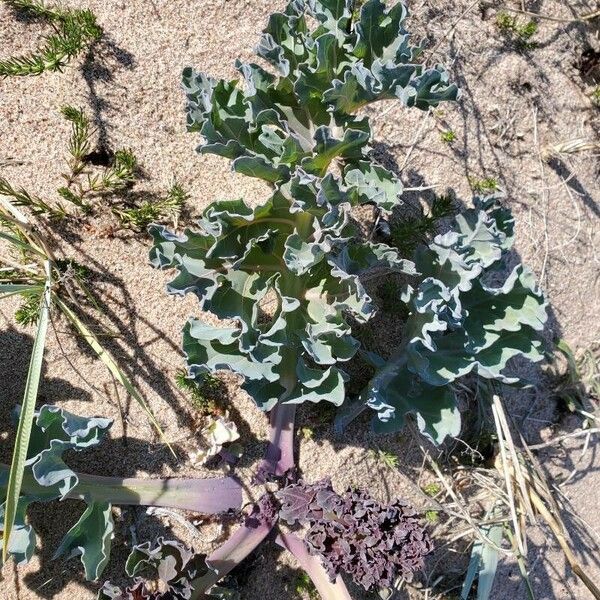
pixel 101 60
pixel 15 352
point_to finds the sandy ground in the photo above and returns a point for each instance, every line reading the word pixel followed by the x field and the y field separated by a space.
pixel 514 105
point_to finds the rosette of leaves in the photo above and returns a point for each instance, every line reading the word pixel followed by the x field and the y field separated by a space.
pixel 287 271
pixel 304 117
pixel 374 543
pixel 47 478
pixel 468 313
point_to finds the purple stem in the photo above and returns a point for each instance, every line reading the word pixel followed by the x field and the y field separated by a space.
pixel 245 539
pixel 279 457
pixel 327 589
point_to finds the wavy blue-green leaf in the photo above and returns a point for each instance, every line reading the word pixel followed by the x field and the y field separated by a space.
pixel 90 538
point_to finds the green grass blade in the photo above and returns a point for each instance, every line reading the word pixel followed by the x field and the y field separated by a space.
pixel 15 241
pixel 489 563
pixel 105 356
pixel 15 478
pixel 10 289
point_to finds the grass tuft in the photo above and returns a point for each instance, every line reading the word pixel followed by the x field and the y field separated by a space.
pixel 305 587
pixel 168 207
pixel 484 186
pixel 28 313
pixel 202 395
pixel 448 136
pixel 409 233
pixel 518 32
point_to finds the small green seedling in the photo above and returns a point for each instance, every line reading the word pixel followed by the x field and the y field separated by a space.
pixel 389 459
pixel 517 31
pixel 432 516
pixel 305 587
pixel 410 232
pixel 448 136
pixel 168 207
pixel 68 270
pixel 202 394
pixel 432 489
pixel 484 186
pixel 307 433
pixel 87 188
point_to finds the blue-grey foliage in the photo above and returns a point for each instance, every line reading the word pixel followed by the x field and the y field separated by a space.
pixel 467 313
pixel 287 275
pixel 47 477
pixel 297 249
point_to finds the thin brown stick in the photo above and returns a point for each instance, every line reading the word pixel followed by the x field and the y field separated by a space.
pixel 562 438
pixel 454 26
pixel 564 544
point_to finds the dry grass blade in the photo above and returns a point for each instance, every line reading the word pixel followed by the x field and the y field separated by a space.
pixel 535 491
pixel 562 538
pixel 519 492
pixel 464 512
pixel 568 436
pixel 569 147
pixel 499 412
pixel 506 472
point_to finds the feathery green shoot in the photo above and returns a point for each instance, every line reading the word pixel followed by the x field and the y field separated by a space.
pixel 74 31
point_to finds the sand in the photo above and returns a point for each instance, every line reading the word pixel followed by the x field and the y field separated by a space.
pixel 514 105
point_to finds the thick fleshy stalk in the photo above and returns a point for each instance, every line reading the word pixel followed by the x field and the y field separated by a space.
pixel 244 541
pixel 327 589
pixel 279 456
pixel 208 496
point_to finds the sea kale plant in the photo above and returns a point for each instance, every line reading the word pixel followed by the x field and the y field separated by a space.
pixel 288 274
pixel 287 277
pixel 301 131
